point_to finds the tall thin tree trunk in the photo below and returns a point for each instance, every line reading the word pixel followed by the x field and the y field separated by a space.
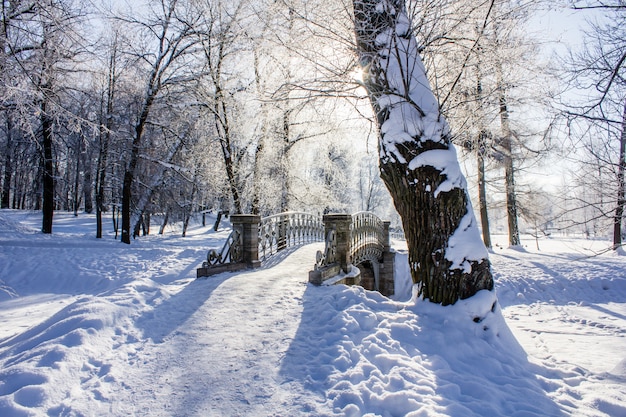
pixel 222 125
pixel 621 187
pixel 101 167
pixel 481 149
pixel 129 174
pixel 76 186
pixel 417 159
pixel 284 164
pixel 157 179
pixel 509 170
pixel 87 181
pixel 8 166
pixel 482 194
pixel 48 169
pixel 105 137
pixel 256 198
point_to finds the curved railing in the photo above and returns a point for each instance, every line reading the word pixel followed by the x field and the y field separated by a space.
pixel 363 236
pixel 231 252
pixel 367 238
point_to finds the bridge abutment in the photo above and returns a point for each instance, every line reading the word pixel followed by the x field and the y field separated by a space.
pixel 361 240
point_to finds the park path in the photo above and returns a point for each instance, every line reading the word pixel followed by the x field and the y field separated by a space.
pixel 215 346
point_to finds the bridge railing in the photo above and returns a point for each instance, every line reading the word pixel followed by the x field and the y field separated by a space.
pixel 351 241
pixel 255 239
pixel 286 230
pixel 369 237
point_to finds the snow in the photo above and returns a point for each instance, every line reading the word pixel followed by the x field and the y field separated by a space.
pixel 462 247
pixel 95 327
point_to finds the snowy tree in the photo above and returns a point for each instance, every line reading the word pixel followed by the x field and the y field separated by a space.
pixel 598 119
pixel 105 125
pixel 418 162
pixel 41 41
pixel 167 41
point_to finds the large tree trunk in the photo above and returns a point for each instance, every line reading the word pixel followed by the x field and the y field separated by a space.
pixel 621 187
pixel 418 162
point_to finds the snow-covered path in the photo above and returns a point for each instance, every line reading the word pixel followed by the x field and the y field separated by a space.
pixel 215 347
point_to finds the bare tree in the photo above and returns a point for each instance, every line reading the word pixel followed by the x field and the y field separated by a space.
pixel 43 40
pixel 106 114
pixel 598 70
pixel 168 42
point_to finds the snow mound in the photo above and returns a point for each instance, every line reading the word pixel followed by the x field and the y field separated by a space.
pixel 375 356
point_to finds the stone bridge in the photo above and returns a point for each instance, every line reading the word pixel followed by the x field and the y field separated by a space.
pixel 356 252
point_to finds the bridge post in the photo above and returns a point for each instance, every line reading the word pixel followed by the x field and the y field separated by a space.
pixel 248 226
pixel 386 286
pixel 386 242
pixel 341 224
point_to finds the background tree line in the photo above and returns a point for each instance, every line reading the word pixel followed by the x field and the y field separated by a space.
pixel 176 106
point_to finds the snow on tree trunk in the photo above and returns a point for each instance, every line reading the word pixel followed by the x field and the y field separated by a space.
pixel 418 162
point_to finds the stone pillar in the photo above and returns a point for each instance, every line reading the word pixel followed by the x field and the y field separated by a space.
pixel 340 223
pixel 386 242
pixel 387 278
pixel 387 281
pixel 248 226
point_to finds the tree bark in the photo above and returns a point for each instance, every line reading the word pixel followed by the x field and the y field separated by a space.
pixel 621 187
pixel 129 175
pixel 418 162
pixel 156 180
pixel 482 191
pixel 48 170
pixel 75 188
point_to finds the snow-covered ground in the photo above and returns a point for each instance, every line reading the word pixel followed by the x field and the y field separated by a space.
pixel 93 327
